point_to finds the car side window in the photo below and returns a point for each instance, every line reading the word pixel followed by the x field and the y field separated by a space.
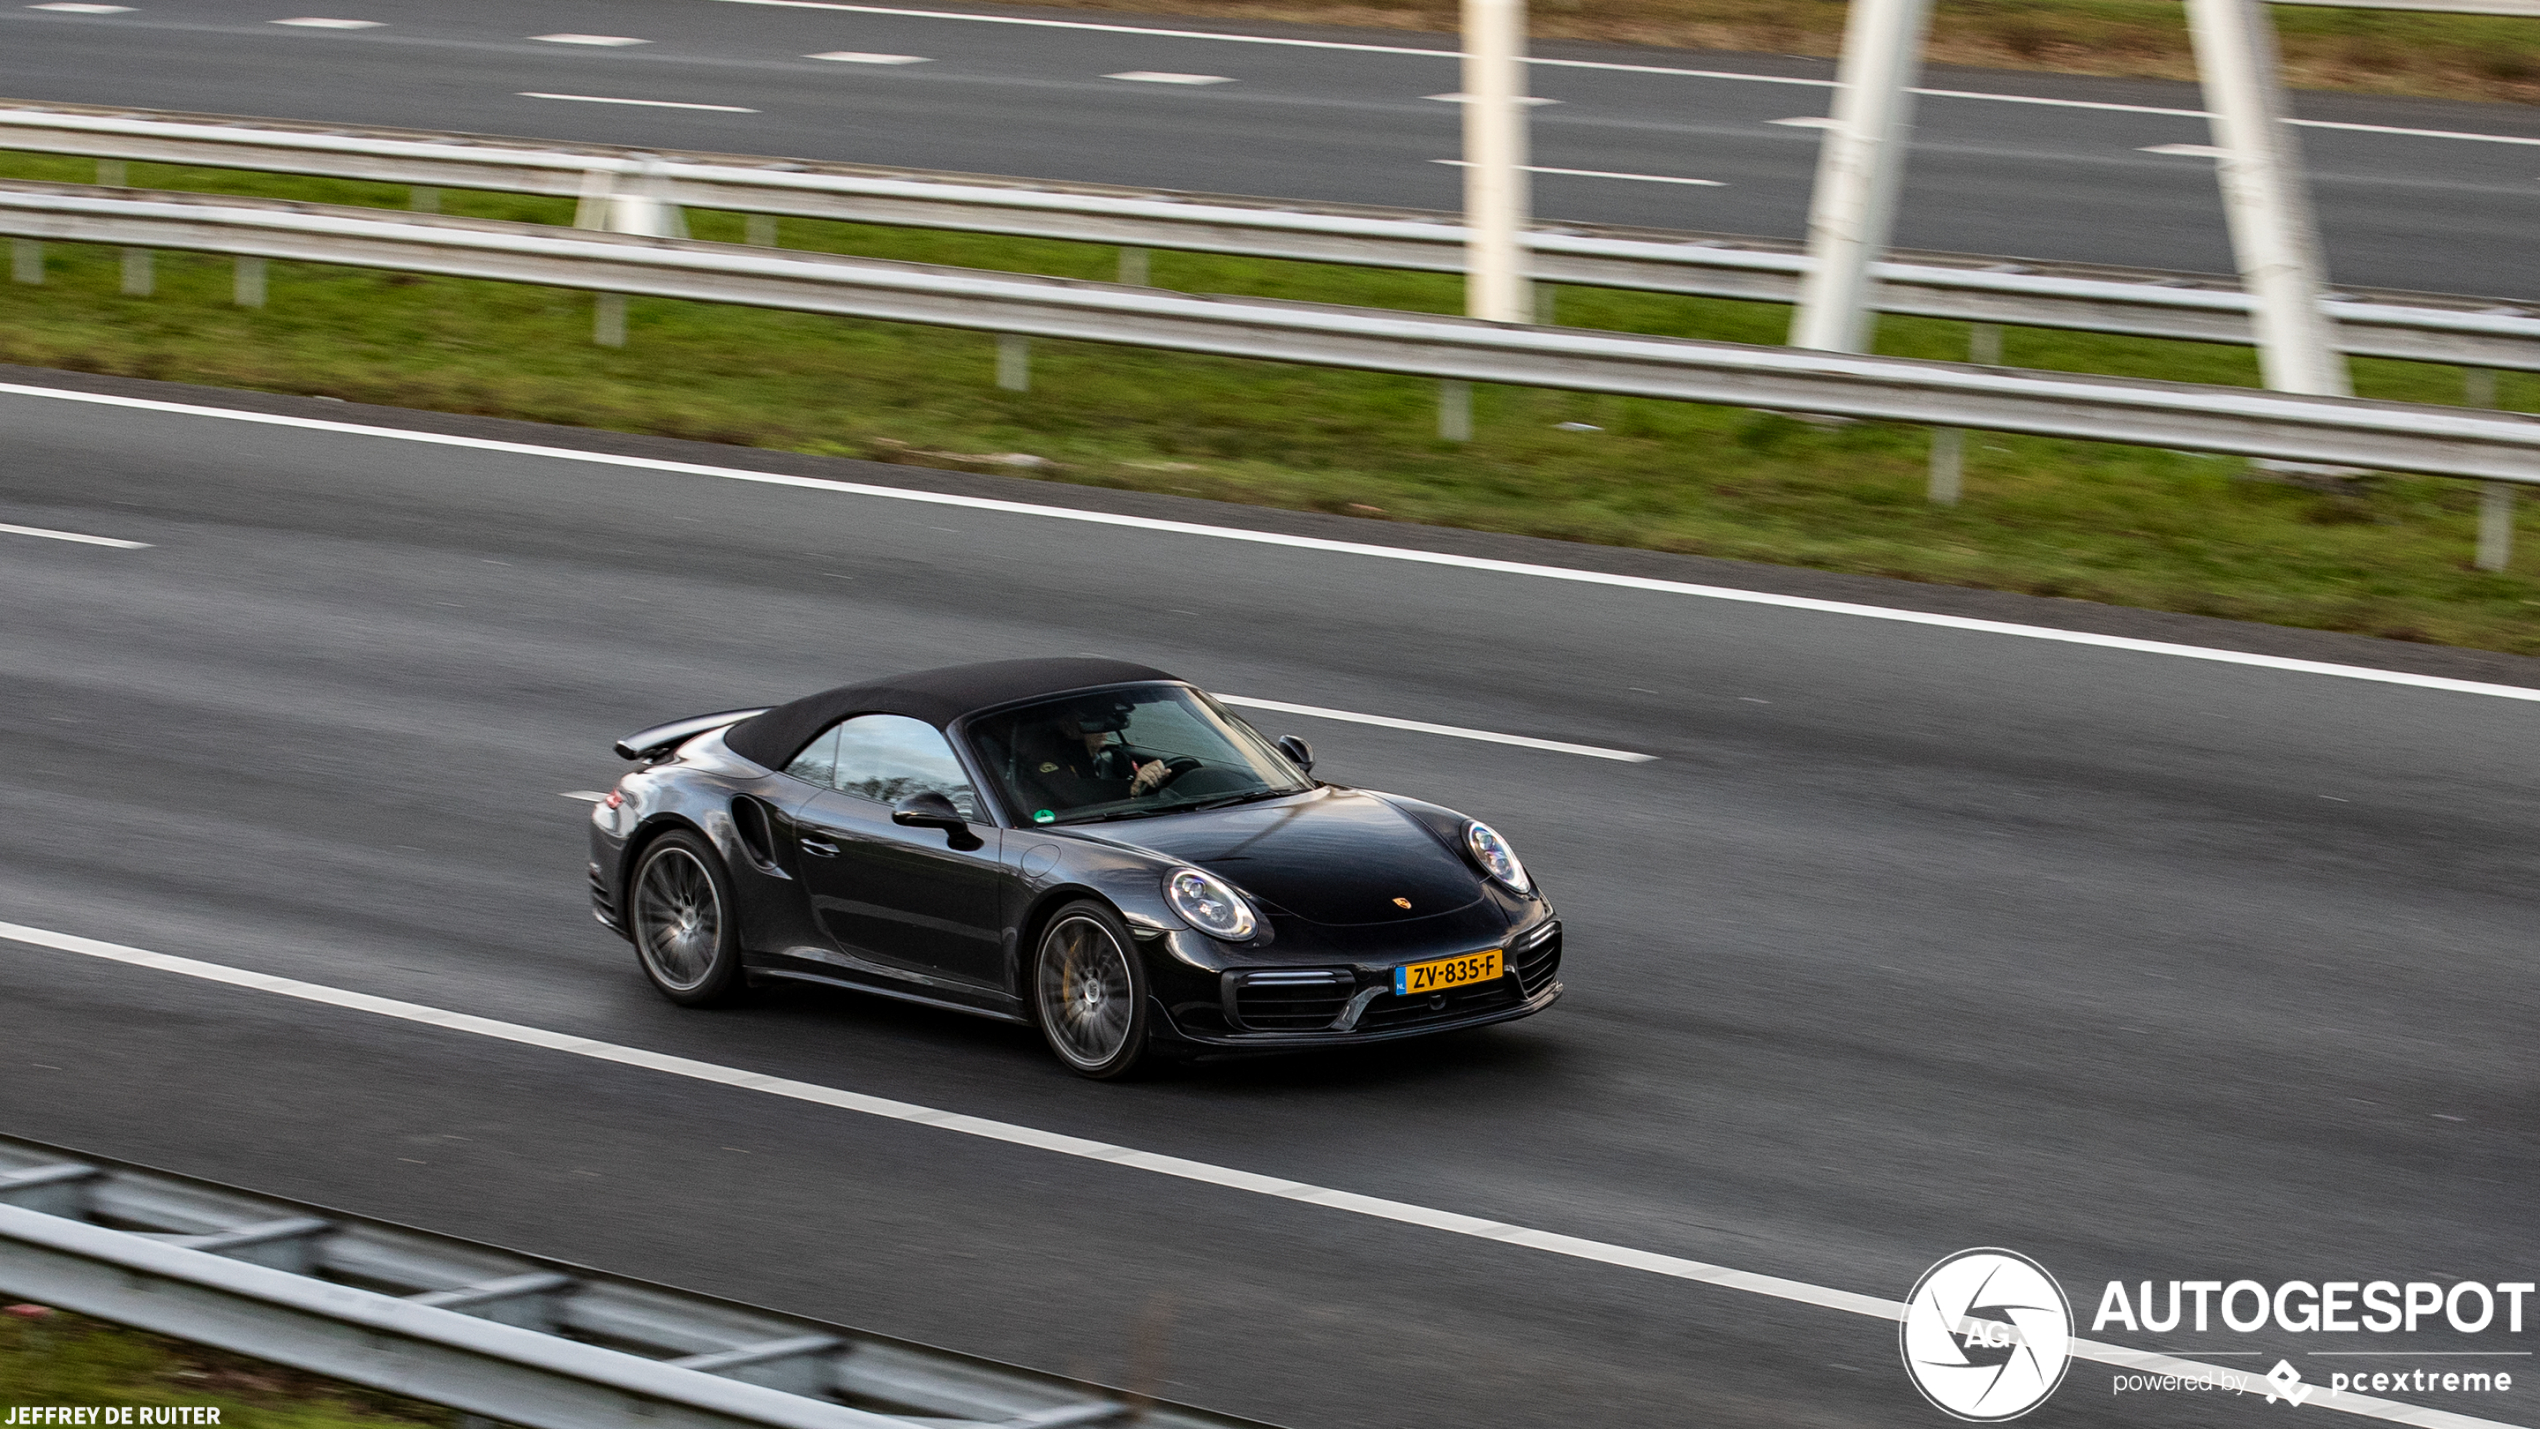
pixel 818 763
pixel 889 757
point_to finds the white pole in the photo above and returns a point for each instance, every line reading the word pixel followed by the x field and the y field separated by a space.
pixel 2273 233
pixel 1495 160
pixel 1860 166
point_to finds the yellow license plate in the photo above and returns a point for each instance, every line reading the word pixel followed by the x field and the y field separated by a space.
pixel 1445 973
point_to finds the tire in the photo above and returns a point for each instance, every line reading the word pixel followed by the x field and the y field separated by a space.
pixel 679 909
pixel 1089 992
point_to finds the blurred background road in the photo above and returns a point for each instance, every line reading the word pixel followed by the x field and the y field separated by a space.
pixel 2431 195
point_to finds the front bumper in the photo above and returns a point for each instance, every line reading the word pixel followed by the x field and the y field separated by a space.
pixel 1268 1009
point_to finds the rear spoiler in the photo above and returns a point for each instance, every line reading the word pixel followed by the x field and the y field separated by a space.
pixel 650 745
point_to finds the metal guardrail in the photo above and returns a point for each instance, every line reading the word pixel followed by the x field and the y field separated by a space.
pixel 514 1338
pixel 2443 441
pixel 2476 332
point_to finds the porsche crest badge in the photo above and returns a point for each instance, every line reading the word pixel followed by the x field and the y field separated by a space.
pixel 1403 903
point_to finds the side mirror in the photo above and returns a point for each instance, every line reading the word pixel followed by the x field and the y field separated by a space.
pixel 931 810
pixel 1299 753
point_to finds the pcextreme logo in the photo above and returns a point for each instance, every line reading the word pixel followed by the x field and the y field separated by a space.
pixel 1987 1335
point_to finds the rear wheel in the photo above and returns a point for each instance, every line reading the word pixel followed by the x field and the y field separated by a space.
pixel 685 933
pixel 1090 991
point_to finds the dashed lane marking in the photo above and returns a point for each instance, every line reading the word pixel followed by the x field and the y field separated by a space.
pixel 646 103
pixel 74 536
pixel 1449 730
pixel 1599 174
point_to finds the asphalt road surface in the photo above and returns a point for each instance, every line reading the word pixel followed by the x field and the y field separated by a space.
pixel 2413 194
pixel 1910 938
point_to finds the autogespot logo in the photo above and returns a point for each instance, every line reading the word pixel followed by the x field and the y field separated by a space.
pixel 1987 1335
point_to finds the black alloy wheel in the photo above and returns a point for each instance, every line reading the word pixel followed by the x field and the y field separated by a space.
pixel 685 935
pixel 1089 991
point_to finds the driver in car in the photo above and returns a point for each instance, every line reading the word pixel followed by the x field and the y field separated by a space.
pixel 1071 758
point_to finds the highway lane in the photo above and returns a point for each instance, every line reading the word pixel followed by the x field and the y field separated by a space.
pixel 1912 938
pixel 1347 121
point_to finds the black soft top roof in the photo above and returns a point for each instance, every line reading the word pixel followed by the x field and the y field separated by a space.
pixel 937 696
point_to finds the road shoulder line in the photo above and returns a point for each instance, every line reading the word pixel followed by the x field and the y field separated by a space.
pixel 1326 545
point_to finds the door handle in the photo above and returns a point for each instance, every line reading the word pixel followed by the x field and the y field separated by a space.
pixel 820 849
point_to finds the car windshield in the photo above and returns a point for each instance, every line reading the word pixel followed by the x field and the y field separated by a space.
pixel 1131 752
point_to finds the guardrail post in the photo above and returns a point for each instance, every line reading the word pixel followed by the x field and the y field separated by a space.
pixel 1860 166
pixel 2495 525
pixel 759 230
pixel 1014 362
pixel 2274 235
pixel 2496 499
pixel 608 319
pixel 1135 268
pixel 591 210
pixel 26 260
pixel 1948 465
pixel 1949 444
pixel 423 200
pixel 138 279
pixel 1455 410
pixel 247 283
pixel 1495 190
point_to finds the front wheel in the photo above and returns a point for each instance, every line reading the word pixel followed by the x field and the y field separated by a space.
pixel 685 933
pixel 1090 992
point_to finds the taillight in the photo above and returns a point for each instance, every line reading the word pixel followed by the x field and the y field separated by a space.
pixel 614 799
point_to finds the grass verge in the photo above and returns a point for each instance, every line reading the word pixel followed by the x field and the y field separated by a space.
pixel 63 1359
pixel 2129 526
pixel 2477 57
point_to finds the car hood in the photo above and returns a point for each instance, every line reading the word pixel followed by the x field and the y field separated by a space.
pixel 1334 856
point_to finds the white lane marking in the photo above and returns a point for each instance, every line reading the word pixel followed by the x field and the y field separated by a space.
pixel 70 7
pixel 1205 1173
pixel 1453 731
pixel 1608 65
pixel 1158 76
pixel 1309 543
pixel 2099 104
pixel 2190 151
pixel 646 103
pixel 594 796
pixel 860 57
pixel 1467 99
pixel 1599 174
pixel 591 39
pixel 1805 122
pixel 2411 133
pixel 1099 28
pixel 320 22
pixel 74 536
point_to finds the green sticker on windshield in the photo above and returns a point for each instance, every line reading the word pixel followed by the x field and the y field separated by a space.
pixel 1044 817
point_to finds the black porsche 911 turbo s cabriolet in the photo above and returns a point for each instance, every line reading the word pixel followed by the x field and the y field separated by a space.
pixel 1090 846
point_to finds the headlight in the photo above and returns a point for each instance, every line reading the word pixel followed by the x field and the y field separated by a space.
pixel 1495 856
pixel 1207 903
